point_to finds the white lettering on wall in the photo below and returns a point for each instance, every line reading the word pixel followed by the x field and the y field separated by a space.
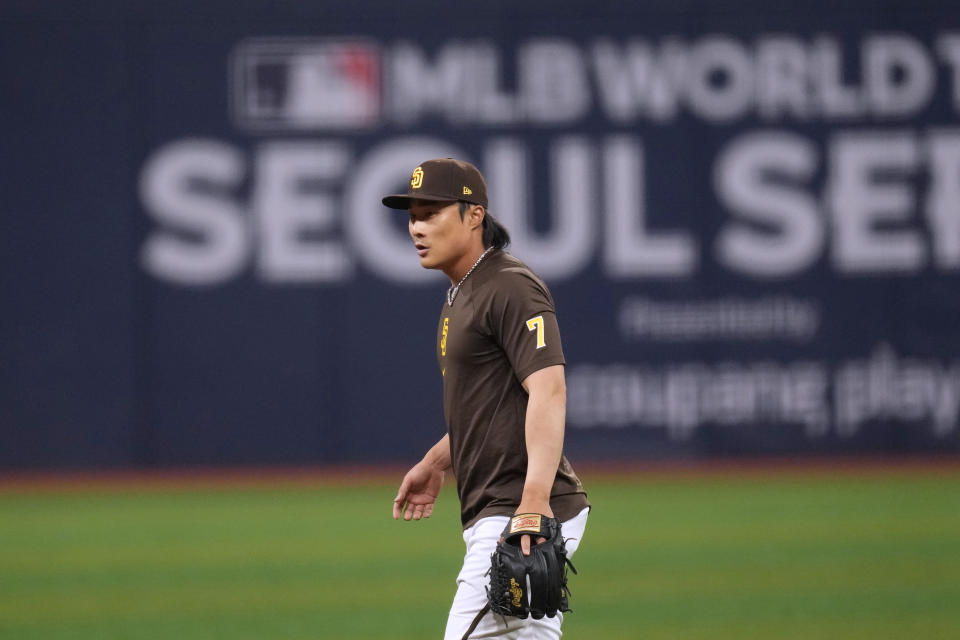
pixel 631 249
pixel 564 250
pixel 776 228
pixel 943 202
pixel 871 213
pixel 188 187
pixel 297 214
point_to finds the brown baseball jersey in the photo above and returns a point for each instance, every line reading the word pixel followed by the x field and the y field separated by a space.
pixel 501 327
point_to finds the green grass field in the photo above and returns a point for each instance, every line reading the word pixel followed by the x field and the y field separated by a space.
pixel 806 555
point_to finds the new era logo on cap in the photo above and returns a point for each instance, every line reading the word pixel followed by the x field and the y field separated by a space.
pixel 442 180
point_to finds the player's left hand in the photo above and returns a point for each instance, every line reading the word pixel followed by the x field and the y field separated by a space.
pixel 534 585
pixel 529 507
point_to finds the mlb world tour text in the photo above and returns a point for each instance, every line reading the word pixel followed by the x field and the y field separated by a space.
pixel 866 193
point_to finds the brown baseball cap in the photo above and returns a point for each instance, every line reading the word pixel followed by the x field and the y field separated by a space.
pixel 442 180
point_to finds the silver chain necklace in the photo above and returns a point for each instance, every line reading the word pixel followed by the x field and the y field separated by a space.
pixel 453 291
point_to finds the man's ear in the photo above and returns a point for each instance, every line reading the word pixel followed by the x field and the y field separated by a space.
pixel 476 214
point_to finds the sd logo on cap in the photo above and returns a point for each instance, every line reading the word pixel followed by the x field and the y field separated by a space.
pixel 442 180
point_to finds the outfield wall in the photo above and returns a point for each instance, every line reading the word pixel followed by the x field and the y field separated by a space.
pixel 749 218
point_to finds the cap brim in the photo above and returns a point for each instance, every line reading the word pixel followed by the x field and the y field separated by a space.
pixel 402 201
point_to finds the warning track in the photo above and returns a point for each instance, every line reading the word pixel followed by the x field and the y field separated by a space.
pixel 212 478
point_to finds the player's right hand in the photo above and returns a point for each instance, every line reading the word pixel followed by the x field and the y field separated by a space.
pixel 418 492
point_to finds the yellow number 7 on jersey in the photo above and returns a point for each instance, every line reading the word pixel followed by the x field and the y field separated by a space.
pixel 536 324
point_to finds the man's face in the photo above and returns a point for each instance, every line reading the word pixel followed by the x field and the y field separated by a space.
pixel 440 236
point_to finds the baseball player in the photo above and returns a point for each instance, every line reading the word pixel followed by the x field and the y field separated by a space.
pixel 504 395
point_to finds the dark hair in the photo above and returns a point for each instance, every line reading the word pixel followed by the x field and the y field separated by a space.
pixel 494 234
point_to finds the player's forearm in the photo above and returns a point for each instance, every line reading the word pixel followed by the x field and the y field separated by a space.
pixel 546 413
pixel 439 454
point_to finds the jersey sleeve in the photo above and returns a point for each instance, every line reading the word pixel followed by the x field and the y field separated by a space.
pixel 523 321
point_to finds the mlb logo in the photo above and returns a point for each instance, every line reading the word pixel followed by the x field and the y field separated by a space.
pixel 305 84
